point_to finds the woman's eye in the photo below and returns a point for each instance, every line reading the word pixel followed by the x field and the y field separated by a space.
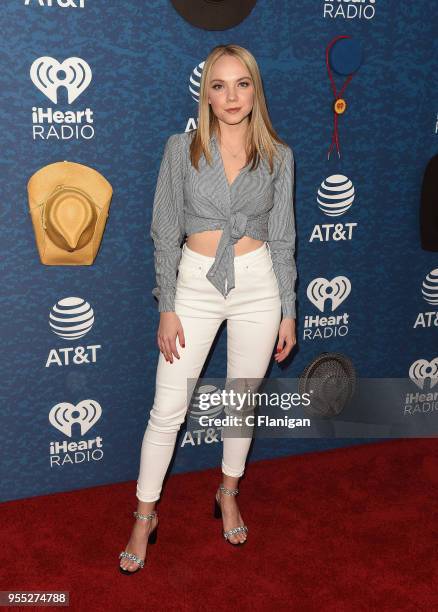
pixel 246 83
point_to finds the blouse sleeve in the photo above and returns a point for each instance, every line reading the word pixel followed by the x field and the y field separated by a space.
pixel 281 234
pixel 167 227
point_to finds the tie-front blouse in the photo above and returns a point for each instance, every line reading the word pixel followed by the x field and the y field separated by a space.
pixel 256 204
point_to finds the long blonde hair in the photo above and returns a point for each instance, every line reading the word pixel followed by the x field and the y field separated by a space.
pixel 261 136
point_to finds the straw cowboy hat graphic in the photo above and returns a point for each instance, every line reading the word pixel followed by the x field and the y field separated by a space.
pixel 69 205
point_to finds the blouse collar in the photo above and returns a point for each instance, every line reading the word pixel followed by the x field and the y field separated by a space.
pixel 213 140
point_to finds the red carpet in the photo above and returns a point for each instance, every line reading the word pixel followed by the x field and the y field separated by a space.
pixel 345 529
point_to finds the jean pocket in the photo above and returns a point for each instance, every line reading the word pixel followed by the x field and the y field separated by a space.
pixel 188 271
pixel 260 269
pixel 262 276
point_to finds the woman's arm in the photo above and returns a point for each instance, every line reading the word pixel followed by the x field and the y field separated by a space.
pixel 167 227
pixel 281 232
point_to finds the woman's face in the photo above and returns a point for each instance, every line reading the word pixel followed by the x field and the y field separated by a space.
pixel 230 87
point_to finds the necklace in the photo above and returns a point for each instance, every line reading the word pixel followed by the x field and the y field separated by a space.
pixel 232 154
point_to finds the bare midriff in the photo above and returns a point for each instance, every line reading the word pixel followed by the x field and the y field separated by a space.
pixel 206 243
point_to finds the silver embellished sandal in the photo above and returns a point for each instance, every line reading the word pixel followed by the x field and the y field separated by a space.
pixel 218 514
pixel 151 540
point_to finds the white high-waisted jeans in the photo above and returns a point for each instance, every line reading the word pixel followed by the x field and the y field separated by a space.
pixel 253 313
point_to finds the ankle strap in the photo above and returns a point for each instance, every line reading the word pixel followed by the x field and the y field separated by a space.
pixel 228 491
pixel 145 517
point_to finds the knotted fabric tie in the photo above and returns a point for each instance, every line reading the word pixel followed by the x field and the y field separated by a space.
pixel 221 272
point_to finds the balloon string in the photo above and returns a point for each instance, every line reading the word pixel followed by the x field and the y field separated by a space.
pixel 336 94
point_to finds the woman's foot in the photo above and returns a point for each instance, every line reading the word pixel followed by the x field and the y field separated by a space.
pixel 138 541
pixel 231 516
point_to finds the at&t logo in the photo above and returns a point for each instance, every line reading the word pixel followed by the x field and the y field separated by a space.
pixel 195 434
pixel 60 3
pixel 429 291
pixel 194 89
pixel 335 197
pixel 71 318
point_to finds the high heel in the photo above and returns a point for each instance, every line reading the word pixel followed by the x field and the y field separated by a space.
pixel 152 538
pixel 217 513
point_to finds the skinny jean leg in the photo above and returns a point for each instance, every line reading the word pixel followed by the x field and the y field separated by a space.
pixel 253 320
pixel 170 404
pixel 200 309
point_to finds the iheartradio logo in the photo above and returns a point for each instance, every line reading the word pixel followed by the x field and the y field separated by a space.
pixel 321 289
pixel 48 75
pixel 422 370
pixel 64 415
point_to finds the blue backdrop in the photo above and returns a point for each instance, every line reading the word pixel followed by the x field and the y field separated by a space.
pixel 142 56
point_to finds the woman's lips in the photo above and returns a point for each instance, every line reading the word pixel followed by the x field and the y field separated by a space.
pixel 232 110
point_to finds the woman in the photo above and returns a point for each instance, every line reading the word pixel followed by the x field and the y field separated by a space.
pixel 228 186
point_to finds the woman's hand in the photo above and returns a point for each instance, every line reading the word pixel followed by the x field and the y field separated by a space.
pixel 170 327
pixel 286 334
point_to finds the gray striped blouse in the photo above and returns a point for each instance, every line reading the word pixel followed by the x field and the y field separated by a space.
pixel 256 204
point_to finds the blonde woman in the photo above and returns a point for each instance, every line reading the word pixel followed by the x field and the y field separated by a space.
pixel 228 187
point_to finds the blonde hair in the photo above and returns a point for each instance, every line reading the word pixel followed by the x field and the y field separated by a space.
pixel 261 137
